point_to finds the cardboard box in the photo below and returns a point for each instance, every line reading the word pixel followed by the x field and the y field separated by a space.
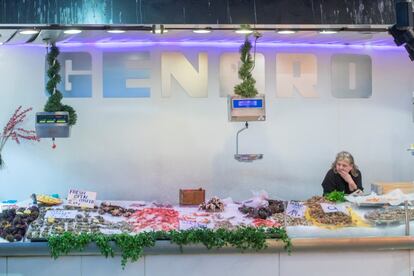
pixel 192 196
pixel 385 187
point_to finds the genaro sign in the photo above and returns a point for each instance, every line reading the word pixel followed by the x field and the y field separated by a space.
pixel 129 74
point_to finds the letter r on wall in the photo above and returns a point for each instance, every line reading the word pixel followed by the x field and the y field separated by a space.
pixel 296 72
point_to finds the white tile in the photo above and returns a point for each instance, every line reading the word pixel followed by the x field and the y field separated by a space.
pixel 3 266
pixel 213 264
pixel 34 266
pixel 384 263
pixel 99 265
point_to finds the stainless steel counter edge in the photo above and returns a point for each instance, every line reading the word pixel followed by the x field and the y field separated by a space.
pixel 27 249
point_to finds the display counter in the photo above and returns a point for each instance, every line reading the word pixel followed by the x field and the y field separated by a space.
pixel 368 248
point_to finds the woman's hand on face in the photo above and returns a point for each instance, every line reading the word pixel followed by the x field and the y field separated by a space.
pixel 348 179
pixel 346 176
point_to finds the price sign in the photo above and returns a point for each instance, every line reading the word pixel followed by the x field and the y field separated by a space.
pixel 331 208
pixel 81 198
pixel 295 209
pixel 61 214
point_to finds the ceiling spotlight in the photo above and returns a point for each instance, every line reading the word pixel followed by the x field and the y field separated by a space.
pixel 115 31
pixel 158 29
pixel 286 32
pixel 202 31
pixel 29 32
pixel 328 32
pixel 72 31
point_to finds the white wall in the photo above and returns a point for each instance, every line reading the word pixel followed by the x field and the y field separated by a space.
pixel 163 144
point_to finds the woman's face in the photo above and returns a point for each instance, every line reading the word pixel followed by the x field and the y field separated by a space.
pixel 343 165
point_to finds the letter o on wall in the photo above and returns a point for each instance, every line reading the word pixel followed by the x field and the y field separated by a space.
pixel 351 76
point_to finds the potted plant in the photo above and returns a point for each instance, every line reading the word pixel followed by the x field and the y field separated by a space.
pixel 57 118
pixel 247 104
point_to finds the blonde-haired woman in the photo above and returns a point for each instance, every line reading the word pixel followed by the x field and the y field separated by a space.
pixel 343 176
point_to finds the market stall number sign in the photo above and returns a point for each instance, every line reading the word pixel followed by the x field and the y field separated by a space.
pixel 295 209
pixel 81 198
pixel 332 208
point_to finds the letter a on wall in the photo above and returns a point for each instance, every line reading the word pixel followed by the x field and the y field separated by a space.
pixel 193 81
pixel 296 73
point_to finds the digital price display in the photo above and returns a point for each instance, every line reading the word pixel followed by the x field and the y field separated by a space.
pixel 247 103
pixel 52 124
pixel 52 119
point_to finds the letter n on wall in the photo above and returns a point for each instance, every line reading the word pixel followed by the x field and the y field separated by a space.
pixel 193 81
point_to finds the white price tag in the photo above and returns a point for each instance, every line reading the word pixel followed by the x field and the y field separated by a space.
pixel 332 208
pixel 61 214
pixel 81 198
pixel 295 209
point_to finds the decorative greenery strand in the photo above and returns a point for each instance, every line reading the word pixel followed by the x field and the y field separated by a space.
pixel 54 104
pixel 132 246
pixel 247 87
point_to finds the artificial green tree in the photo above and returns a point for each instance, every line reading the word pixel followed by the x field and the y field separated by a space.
pixel 246 88
pixel 54 103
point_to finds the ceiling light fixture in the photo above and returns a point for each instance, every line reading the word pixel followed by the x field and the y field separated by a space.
pixel 115 31
pixel 202 31
pixel 29 32
pixel 328 32
pixel 286 32
pixel 243 31
pixel 72 31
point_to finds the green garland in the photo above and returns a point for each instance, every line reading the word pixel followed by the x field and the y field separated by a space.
pixel 247 87
pixel 54 101
pixel 132 246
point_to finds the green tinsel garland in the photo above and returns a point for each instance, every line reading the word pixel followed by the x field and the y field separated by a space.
pixel 247 87
pixel 54 104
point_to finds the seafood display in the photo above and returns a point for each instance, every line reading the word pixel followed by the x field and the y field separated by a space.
pixel 115 210
pixel 319 215
pixel 78 221
pixel 38 223
pixel 155 219
pixel 14 223
pixel 290 221
pixel 390 215
pixel 275 206
pixel 213 205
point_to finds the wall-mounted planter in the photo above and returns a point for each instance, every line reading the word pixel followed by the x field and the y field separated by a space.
pixel 246 109
pixel 52 125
